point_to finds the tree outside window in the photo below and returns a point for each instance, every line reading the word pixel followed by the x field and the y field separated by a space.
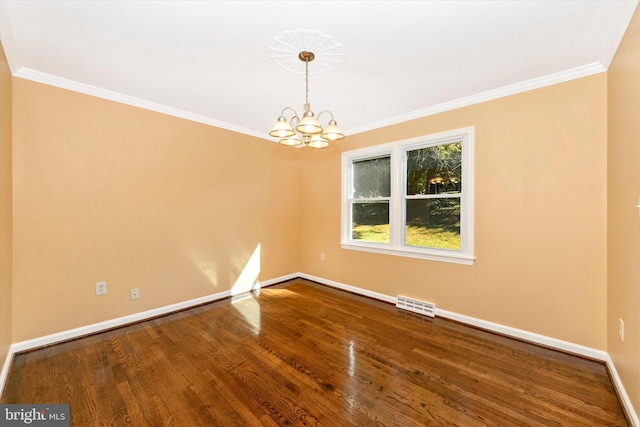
pixel 411 198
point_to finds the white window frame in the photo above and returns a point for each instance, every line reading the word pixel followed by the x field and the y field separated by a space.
pixel 397 151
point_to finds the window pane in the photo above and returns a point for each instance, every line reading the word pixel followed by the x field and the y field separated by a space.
pixel 433 223
pixel 372 178
pixel 435 170
pixel 370 222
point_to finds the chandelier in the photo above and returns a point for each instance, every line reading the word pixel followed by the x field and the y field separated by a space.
pixel 308 130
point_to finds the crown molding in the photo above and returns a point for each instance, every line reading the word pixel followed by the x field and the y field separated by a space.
pixel 539 82
pixel 624 14
pixel 6 37
pixel 551 79
pixel 17 70
pixel 51 80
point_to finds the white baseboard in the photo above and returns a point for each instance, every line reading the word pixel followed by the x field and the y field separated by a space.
pixel 114 323
pixel 132 318
pixel 624 397
pixel 544 340
pixel 349 288
pixel 5 369
pixel 508 331
pixel 483 324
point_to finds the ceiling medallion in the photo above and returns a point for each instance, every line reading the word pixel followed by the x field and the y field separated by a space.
pixel 289 44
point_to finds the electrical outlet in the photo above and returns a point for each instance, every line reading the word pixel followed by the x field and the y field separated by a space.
pixel 321 256
pixel 101 288
pixel 621 329
pixel 135 293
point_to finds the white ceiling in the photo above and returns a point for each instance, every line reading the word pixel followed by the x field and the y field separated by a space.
pixel 209 61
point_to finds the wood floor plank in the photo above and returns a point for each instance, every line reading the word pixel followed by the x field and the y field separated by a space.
pixel 302 354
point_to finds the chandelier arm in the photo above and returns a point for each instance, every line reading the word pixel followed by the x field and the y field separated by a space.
pixel 307 129
pixel 325 111
pixel 290 109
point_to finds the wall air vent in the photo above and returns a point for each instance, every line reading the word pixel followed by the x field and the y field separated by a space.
pixel 416 306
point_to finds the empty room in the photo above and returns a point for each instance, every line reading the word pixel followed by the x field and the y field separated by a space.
pixel 320 213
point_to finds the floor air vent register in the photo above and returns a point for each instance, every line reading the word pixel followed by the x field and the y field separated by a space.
pixel 416 306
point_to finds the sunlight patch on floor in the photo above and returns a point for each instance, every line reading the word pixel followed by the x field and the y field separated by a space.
pixel 241 297
pixel 249 308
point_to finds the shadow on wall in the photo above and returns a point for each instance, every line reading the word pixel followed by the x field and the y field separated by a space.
pixel 246 280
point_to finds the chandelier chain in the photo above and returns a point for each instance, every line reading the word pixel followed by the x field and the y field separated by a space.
pixel 306 81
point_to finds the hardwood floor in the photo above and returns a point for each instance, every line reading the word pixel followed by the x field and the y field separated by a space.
pixel 300 353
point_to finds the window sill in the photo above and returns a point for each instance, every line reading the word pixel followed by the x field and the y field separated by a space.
pixel 432 255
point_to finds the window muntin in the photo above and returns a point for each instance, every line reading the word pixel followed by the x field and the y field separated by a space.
pixel 411 198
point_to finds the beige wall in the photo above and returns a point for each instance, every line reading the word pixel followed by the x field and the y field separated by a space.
pixel 624 220
pixel 109 192
pixel 104 191
pixel 5 207
pixel 540 216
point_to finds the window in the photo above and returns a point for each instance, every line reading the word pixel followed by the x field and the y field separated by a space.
pixel 411 198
